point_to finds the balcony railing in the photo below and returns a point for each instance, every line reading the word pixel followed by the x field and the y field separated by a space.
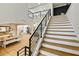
pixel 37 14
pixel 37 34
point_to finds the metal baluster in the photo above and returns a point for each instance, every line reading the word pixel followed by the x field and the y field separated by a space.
pixel 30 46
pixel 17 53
pixel 25 51
pixel 46 20
pixel 40 13
pixel 41 29
pixel 50 12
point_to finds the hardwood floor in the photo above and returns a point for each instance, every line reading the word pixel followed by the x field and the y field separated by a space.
pixel 11 49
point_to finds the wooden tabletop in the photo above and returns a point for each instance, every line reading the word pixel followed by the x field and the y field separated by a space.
pixel 3 37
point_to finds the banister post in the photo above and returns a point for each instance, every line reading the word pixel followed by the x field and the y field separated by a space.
pixel 29 47
pixel 46 19
pixel 25 51
pixel 17 53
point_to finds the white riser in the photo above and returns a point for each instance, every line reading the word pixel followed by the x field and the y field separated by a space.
pixel 62 42
pixel 61 37
pixel 58 22
pixel 59 33
pixel 60 30
pixel 59 26
pixel 61 49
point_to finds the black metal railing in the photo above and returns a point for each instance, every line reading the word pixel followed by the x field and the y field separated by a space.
pixel 24 51
pixel 37 34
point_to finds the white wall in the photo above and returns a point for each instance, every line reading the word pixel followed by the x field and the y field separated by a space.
pixel 73 16
pixel 51 9
pixel 13 12
pixel 16 12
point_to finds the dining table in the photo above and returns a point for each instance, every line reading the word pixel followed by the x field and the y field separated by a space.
pixel 3 38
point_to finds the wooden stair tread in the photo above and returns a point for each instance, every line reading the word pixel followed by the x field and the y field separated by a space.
pixel 56 52
pixel 63 45
pixel 61 37
pixel 66 50
pixel 47 53
pixel 64 40
pixel 62 33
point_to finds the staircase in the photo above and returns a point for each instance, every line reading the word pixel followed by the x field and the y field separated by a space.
pixel 60 39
